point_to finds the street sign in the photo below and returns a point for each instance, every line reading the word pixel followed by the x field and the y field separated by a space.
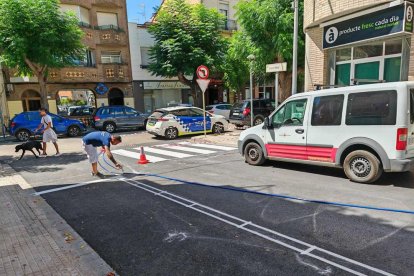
pixel 203 72
pixel 276 67
pixel 203 84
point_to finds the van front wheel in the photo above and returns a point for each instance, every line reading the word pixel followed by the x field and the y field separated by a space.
pixel 253 154
pixel 362 166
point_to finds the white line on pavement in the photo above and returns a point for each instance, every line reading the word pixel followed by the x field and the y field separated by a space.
pixel 135 155
pixel 245 224
pixel 71 186
pixel 166 152
pixel 201 151
pixel 207 146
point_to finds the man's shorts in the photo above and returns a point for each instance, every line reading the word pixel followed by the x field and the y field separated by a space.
pixel 91 152
pixel 49 136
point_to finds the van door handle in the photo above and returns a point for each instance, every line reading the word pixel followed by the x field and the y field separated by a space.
pixel 299 131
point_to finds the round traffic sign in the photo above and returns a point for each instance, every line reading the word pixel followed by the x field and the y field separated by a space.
pixel 203 72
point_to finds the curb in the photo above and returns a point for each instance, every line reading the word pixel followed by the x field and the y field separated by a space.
pixel 77 252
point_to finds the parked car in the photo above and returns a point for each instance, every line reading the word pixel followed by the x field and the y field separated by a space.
pixel 70 109
pixel 364 129
pixel 172 122
pixel 240 112
pixel 23 125
pixel 111 118
pixel 220 109
pixel 82 111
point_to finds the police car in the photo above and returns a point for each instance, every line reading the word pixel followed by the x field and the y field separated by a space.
pixel 172 122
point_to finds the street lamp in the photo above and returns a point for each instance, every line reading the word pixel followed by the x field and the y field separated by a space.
pixel 295 4
pixel 251 58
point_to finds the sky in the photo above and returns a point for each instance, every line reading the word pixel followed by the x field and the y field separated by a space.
pixel 141 10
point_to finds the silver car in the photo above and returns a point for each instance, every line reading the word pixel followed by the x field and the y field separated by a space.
pixel 220 109
pixel 111 118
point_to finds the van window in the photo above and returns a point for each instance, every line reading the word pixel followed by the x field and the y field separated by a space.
pixel 327 110
pixel 372 108
pixel 412 106
pixel 291 114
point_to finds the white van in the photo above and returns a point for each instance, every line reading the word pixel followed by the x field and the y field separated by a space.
pixel 365 129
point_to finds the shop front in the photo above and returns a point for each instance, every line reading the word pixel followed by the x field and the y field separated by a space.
pixel 369 46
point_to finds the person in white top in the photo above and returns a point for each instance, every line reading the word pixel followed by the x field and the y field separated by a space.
pixel 49 135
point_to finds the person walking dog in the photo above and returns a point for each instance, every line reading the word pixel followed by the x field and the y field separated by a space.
pixel 100 139
pixel 49 135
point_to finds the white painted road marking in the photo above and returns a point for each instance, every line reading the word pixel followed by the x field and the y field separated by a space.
pixel 165 152
pixel 201 151
pixel 208 146
pixel 71 186
pixel 135 155
pixel 243 225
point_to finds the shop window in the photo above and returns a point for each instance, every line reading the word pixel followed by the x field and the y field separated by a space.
pixel 367 72
pixel 327 111
pixel 343 54
pixel 392 69
pixel 393 47
pixel 372 108
pixel 343 74
pixel 366 51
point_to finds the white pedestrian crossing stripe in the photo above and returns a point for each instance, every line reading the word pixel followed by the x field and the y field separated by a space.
pixel 167 152
pixel 135 155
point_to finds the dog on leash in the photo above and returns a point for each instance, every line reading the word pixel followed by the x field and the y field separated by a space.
pixel 29 146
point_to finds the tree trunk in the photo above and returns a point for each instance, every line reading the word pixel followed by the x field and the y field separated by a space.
pixel 43 92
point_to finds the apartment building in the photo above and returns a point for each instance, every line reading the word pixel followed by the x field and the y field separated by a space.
pixel 153 92
pixel 358 41
pixel 105 69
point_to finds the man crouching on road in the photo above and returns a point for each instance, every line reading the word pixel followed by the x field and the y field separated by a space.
pixel 100 139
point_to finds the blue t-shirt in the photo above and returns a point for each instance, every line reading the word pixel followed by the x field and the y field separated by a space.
pixel 98 139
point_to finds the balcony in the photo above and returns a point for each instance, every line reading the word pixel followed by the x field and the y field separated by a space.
pixel 229 25
pixel 109 27
pixel 84 25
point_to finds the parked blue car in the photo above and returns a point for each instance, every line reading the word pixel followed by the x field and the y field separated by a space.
pixel 23 125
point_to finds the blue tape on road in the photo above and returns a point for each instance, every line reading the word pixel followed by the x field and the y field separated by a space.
pixel 282 196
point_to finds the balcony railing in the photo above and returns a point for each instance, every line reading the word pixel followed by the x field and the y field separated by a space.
pixel 84 25
pixel 109 27
pixel 229 25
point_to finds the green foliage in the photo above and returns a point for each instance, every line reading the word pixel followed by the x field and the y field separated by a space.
pixel 36 31
pixel 186 36
pixel 267 33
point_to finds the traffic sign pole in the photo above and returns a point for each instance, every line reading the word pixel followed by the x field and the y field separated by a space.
pixel 276 90
pixel 204 113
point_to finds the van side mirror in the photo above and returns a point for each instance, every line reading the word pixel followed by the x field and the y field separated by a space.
pixel 267 123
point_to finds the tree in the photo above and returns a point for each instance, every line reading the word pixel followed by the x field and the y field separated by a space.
pixel 267 25
pixel 186 36
pixel 35 37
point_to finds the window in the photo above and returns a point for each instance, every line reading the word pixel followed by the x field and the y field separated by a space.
pixel 145 56
pixel 111 57
pixel 291 114
pixel 80 12
pixel 327 110
pixel 393 47
pixel 372 108
pixel 366 51
pixel 88 59
pixel 130 111
pixel 107 19
pixel 180 113
pixel 412 106
pixel 195 112
pixel 343 54
pixel 117 111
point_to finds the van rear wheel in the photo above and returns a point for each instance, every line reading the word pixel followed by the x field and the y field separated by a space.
pixel 253 154
pixel 362 166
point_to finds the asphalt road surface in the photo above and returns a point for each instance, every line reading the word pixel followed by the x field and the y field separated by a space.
pixel 155 226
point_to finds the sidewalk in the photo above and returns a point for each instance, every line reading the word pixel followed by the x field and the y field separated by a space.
pixel 35 240
pixel 227 139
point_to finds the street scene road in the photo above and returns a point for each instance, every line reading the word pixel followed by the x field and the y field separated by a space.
pixel 195 210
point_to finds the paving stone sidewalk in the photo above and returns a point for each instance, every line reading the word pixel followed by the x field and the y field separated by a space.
pixel 35 240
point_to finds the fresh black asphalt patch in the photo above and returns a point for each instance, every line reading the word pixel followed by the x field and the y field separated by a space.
pixel 139 233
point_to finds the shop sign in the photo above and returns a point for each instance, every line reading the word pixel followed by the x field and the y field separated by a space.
pixel 390 21
pixel 157 85
pixel 101 88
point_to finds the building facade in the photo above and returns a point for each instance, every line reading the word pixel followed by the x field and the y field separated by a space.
pixel 151 92
pixel 105 70
pixel 357 42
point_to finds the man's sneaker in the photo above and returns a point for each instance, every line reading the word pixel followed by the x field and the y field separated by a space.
pixel 98 174
pixel 43 155
pixel 58 154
